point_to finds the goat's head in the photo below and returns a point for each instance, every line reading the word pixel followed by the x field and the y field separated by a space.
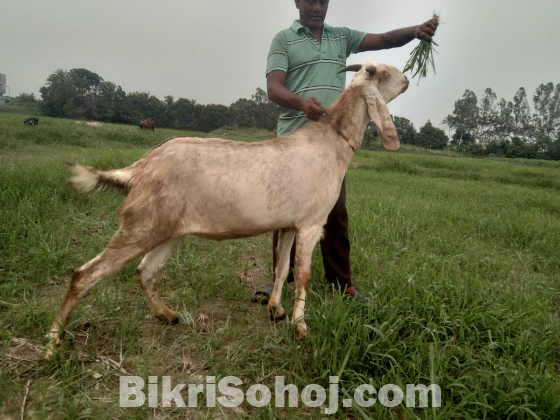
pixel 381 83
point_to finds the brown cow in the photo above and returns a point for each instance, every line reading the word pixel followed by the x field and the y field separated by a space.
pixel 148 123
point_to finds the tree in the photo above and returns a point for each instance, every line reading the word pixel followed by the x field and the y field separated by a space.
pixel 488 115
pixel 210 117
pixel 267 111
pixel 178 114
pixel 505 123
pixel 141 105
pixel 25 99
pixel 260 96
pixel 86 86
pixel 257 112
pixel 405 130
pixel 432 137
pixel 465 114
pixel 243 113
pixel 371 137
pixel 462 140
pixel 522 126
pixel 110 103
pixel 58 95
pixel 547 107
pixel 71 94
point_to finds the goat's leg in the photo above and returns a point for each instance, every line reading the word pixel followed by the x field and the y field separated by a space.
pixel 146 274
pixel 122 250
pixel 285 241
pixel 306 239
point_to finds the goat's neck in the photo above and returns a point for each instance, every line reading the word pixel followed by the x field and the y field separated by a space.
pixel 349 117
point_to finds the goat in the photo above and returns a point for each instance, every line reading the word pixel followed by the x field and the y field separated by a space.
pixel 148 123
pixel 222 189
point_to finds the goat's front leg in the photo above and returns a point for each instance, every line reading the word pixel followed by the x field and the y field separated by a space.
pixel 285 241
pixel 305 242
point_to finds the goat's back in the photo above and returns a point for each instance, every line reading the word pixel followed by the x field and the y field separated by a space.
pixel 224 189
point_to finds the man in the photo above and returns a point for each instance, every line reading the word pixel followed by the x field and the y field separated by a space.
pixel 302 67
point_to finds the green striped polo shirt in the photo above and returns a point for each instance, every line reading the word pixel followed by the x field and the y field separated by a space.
pixel 311 66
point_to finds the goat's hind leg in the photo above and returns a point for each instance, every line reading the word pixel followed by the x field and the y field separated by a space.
pixel 285 241
pixel 147 272
pixel 122 250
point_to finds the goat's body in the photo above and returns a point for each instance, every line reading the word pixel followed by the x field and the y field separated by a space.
pixel 221 189
pixel 233 189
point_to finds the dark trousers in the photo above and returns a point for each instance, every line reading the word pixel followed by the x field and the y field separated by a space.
pixel 335 246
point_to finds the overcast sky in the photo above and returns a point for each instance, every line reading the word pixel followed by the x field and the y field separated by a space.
pixel 215 51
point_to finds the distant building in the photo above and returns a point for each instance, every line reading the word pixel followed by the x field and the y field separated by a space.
pixel 3 89
pixel 2 84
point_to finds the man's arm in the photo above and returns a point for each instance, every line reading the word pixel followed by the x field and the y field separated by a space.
pixel 278 93
pixel 398 37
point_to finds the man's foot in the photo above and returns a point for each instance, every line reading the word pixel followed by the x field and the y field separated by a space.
pixel 352 292
pixel 263 294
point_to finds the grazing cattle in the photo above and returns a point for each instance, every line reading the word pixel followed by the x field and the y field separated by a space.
pixel 31 121
pixel 148 124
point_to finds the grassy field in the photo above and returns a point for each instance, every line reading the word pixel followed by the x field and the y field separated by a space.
pixel 459 257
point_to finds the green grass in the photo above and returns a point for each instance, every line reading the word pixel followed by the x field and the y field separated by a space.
pixel 31 110
pixel 458 256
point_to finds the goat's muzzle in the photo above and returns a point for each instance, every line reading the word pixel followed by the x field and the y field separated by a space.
pixel 405 83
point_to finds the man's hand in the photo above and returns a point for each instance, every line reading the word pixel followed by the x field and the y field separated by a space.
pixel 312 109
pixel 278 94
pixel 426 30
pixel 399 37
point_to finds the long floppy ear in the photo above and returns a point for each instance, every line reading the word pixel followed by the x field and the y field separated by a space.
pixel 379 113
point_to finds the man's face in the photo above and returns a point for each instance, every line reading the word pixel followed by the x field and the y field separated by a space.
pixel 312 13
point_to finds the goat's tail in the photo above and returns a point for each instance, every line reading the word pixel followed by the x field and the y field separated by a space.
pixel 87 178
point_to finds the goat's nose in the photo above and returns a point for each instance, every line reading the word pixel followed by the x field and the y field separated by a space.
pixel 406 83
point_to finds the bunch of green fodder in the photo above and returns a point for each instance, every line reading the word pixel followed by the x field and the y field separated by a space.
pixel 421 56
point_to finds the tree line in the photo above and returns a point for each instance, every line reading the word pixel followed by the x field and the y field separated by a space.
pixel 508 128
pixel 495 127
pixel 480 127
pixel 83 94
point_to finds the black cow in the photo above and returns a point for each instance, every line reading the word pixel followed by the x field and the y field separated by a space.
pixel 31 121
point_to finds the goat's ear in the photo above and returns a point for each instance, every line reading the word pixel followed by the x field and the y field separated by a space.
pixel 379 113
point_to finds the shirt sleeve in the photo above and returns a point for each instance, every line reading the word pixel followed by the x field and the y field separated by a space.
pixel 353 40
pixel 277 55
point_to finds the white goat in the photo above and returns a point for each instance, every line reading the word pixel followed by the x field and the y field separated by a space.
pixel 221 189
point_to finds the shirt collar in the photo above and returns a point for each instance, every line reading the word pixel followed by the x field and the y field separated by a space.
pixel 296 27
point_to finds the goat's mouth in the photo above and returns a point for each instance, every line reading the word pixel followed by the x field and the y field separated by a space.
pixel 405 87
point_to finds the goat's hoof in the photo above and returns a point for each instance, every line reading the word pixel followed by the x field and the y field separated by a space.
pixel 53 348
pixel 169 317
pixel 301 330
pixel 277 314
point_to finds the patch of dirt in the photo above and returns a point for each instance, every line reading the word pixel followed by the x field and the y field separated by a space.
pixel 21 356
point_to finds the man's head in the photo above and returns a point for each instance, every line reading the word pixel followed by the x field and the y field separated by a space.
pixel 312 13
